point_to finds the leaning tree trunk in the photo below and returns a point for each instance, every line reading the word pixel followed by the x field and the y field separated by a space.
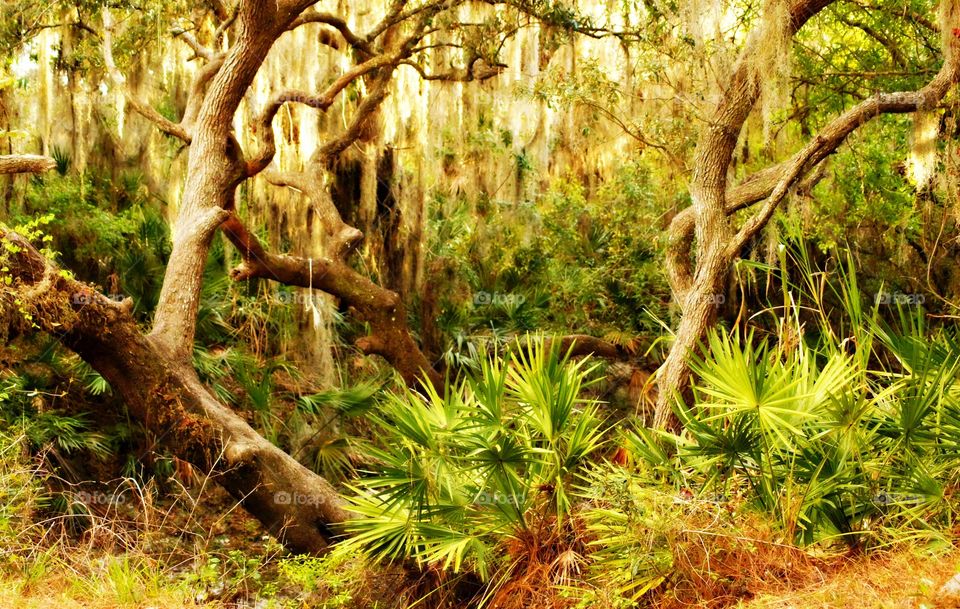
pixel 163 392
pixel 296 505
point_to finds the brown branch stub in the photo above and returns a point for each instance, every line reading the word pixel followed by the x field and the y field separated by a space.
pixel 219 9
pixel 26 163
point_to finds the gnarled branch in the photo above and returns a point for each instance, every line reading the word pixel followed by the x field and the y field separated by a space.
pixel 337 23
pixel 836 132
pixel 26 163
pixel 322 102
pixel 773 183
pixel 379 307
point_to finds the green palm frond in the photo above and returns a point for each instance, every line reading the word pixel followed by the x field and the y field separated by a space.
pixel 464 467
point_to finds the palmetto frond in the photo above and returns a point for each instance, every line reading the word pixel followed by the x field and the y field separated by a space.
pixel 461 471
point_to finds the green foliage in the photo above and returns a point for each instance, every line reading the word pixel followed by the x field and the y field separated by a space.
pixel 855 446
pixel 463 476
pixel 634 527
pixel 62 158
pixel 562 261
pixel 330 581
pixel 24 410
pixel 228 575
pixel 864 190
pixel 105 233
pixel 245 381
pixel 349 401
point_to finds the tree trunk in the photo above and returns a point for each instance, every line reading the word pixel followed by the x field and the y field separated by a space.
pixel 704 241
pixel 699 314
pixel 296 505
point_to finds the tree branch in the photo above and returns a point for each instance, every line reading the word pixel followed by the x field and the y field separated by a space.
pixel 837 131
pixel 328 151
pixel 142 108
pixel 26 163
pixel 714 153
pixel 476 69
pixel 198 90
pixel 381 308
pixel 336 22
pixel 264 125
pixel 895 53
pixel 193 43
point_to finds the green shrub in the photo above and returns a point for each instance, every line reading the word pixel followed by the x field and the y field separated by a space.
pixel 852 438
pixel 481 479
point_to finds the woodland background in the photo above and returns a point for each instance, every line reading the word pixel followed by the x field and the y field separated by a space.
pixel 515 188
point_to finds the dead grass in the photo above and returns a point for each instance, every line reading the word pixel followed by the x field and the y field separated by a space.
pixel 903 578
pixel 56 594
pixel 744 564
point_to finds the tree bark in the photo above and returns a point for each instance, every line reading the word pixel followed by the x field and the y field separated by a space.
pixel 381 308
pixel 214 170
pixel 25 163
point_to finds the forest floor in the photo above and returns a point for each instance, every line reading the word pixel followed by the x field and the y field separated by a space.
pixel 903 578
pixel 213 556
pixel 893 580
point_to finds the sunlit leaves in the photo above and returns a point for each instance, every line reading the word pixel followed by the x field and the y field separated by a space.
pixel 747 380
pixel 829 446
pixel 494 456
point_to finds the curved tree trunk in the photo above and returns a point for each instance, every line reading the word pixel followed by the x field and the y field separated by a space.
pixel 699 315
pixel 296 505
